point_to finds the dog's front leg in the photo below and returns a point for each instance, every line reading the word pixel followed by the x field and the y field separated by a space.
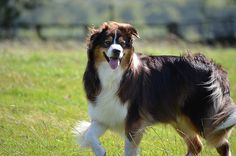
pixel 134 133
pixel 131 148
pixel 92 136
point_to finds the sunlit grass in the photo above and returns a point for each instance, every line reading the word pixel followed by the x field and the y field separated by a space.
pixel 42 97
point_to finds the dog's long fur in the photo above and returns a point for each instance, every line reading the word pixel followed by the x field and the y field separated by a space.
pixel 190 92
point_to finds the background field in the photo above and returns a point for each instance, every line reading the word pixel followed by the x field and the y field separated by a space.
pixel 42 98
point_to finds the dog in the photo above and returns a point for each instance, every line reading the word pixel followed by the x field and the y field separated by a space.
pixel 128 91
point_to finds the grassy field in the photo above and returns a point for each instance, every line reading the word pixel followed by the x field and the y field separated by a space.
pixel 42 98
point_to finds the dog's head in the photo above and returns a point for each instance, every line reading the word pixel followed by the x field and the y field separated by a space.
pixel 112 43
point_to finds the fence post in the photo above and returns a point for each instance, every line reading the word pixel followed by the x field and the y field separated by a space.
pixel 173 28
pixel 38 28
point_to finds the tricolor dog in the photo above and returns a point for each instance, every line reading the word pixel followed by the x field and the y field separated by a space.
pixel 128 91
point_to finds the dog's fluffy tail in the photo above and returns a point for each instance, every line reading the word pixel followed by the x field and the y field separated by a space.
pixel 230 121
pixel 80 130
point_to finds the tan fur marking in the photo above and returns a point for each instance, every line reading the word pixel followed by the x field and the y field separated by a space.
pixel 189 133
pixel 98 54
pixel 218 138
pixel 121 41
pixel 184 124
pixel 126 58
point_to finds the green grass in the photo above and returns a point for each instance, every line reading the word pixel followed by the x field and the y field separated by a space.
pixel 42 98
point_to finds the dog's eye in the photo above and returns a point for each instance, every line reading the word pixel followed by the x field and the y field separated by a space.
pixel 107 43
pixel 123 43
pixel 129 43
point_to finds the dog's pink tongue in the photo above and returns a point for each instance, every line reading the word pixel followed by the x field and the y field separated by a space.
pixel 114 63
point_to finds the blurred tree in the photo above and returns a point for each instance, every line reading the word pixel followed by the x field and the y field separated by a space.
pixel 11 10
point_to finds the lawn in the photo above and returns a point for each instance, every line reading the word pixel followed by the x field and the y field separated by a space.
pixel 42 98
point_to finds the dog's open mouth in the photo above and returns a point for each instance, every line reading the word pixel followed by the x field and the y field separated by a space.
pixel 114 62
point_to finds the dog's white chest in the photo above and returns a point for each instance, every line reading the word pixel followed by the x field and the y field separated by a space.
pixel 108 108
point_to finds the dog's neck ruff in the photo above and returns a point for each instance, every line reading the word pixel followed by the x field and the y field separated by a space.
pixel 108 100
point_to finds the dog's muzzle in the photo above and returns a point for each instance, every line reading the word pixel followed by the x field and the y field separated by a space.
pixel 114 55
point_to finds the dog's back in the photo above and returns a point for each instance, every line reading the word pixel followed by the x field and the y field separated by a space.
pixel 190 85
pixel 190 92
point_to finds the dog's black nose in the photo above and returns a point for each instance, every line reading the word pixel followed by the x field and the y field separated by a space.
pixel 116 52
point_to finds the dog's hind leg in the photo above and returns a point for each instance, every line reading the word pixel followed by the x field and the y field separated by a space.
pixel 193 142
pixel 194 145
pixel 224 149
pixel 226 119
pixel 220 141
pixel 187 131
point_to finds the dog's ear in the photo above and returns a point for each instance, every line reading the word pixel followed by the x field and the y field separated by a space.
pixel 128 27
pixel 93 33
pixel 132 31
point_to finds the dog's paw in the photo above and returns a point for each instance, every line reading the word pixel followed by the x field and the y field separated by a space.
pixel 100 152
pixel 80 130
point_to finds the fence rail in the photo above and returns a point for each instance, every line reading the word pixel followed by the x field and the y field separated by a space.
pixel 211 31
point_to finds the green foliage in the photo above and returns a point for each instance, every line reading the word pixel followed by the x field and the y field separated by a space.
pixel 42 98
pixel 11 11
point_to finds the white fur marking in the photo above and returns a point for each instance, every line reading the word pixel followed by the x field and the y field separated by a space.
pixel 216 91
pixel 136 61
pixel 189 154
pixel 115 46
pixel 114 41
pixel 108 108
pixel 88 136
pixel 130 148
pixel 80 130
